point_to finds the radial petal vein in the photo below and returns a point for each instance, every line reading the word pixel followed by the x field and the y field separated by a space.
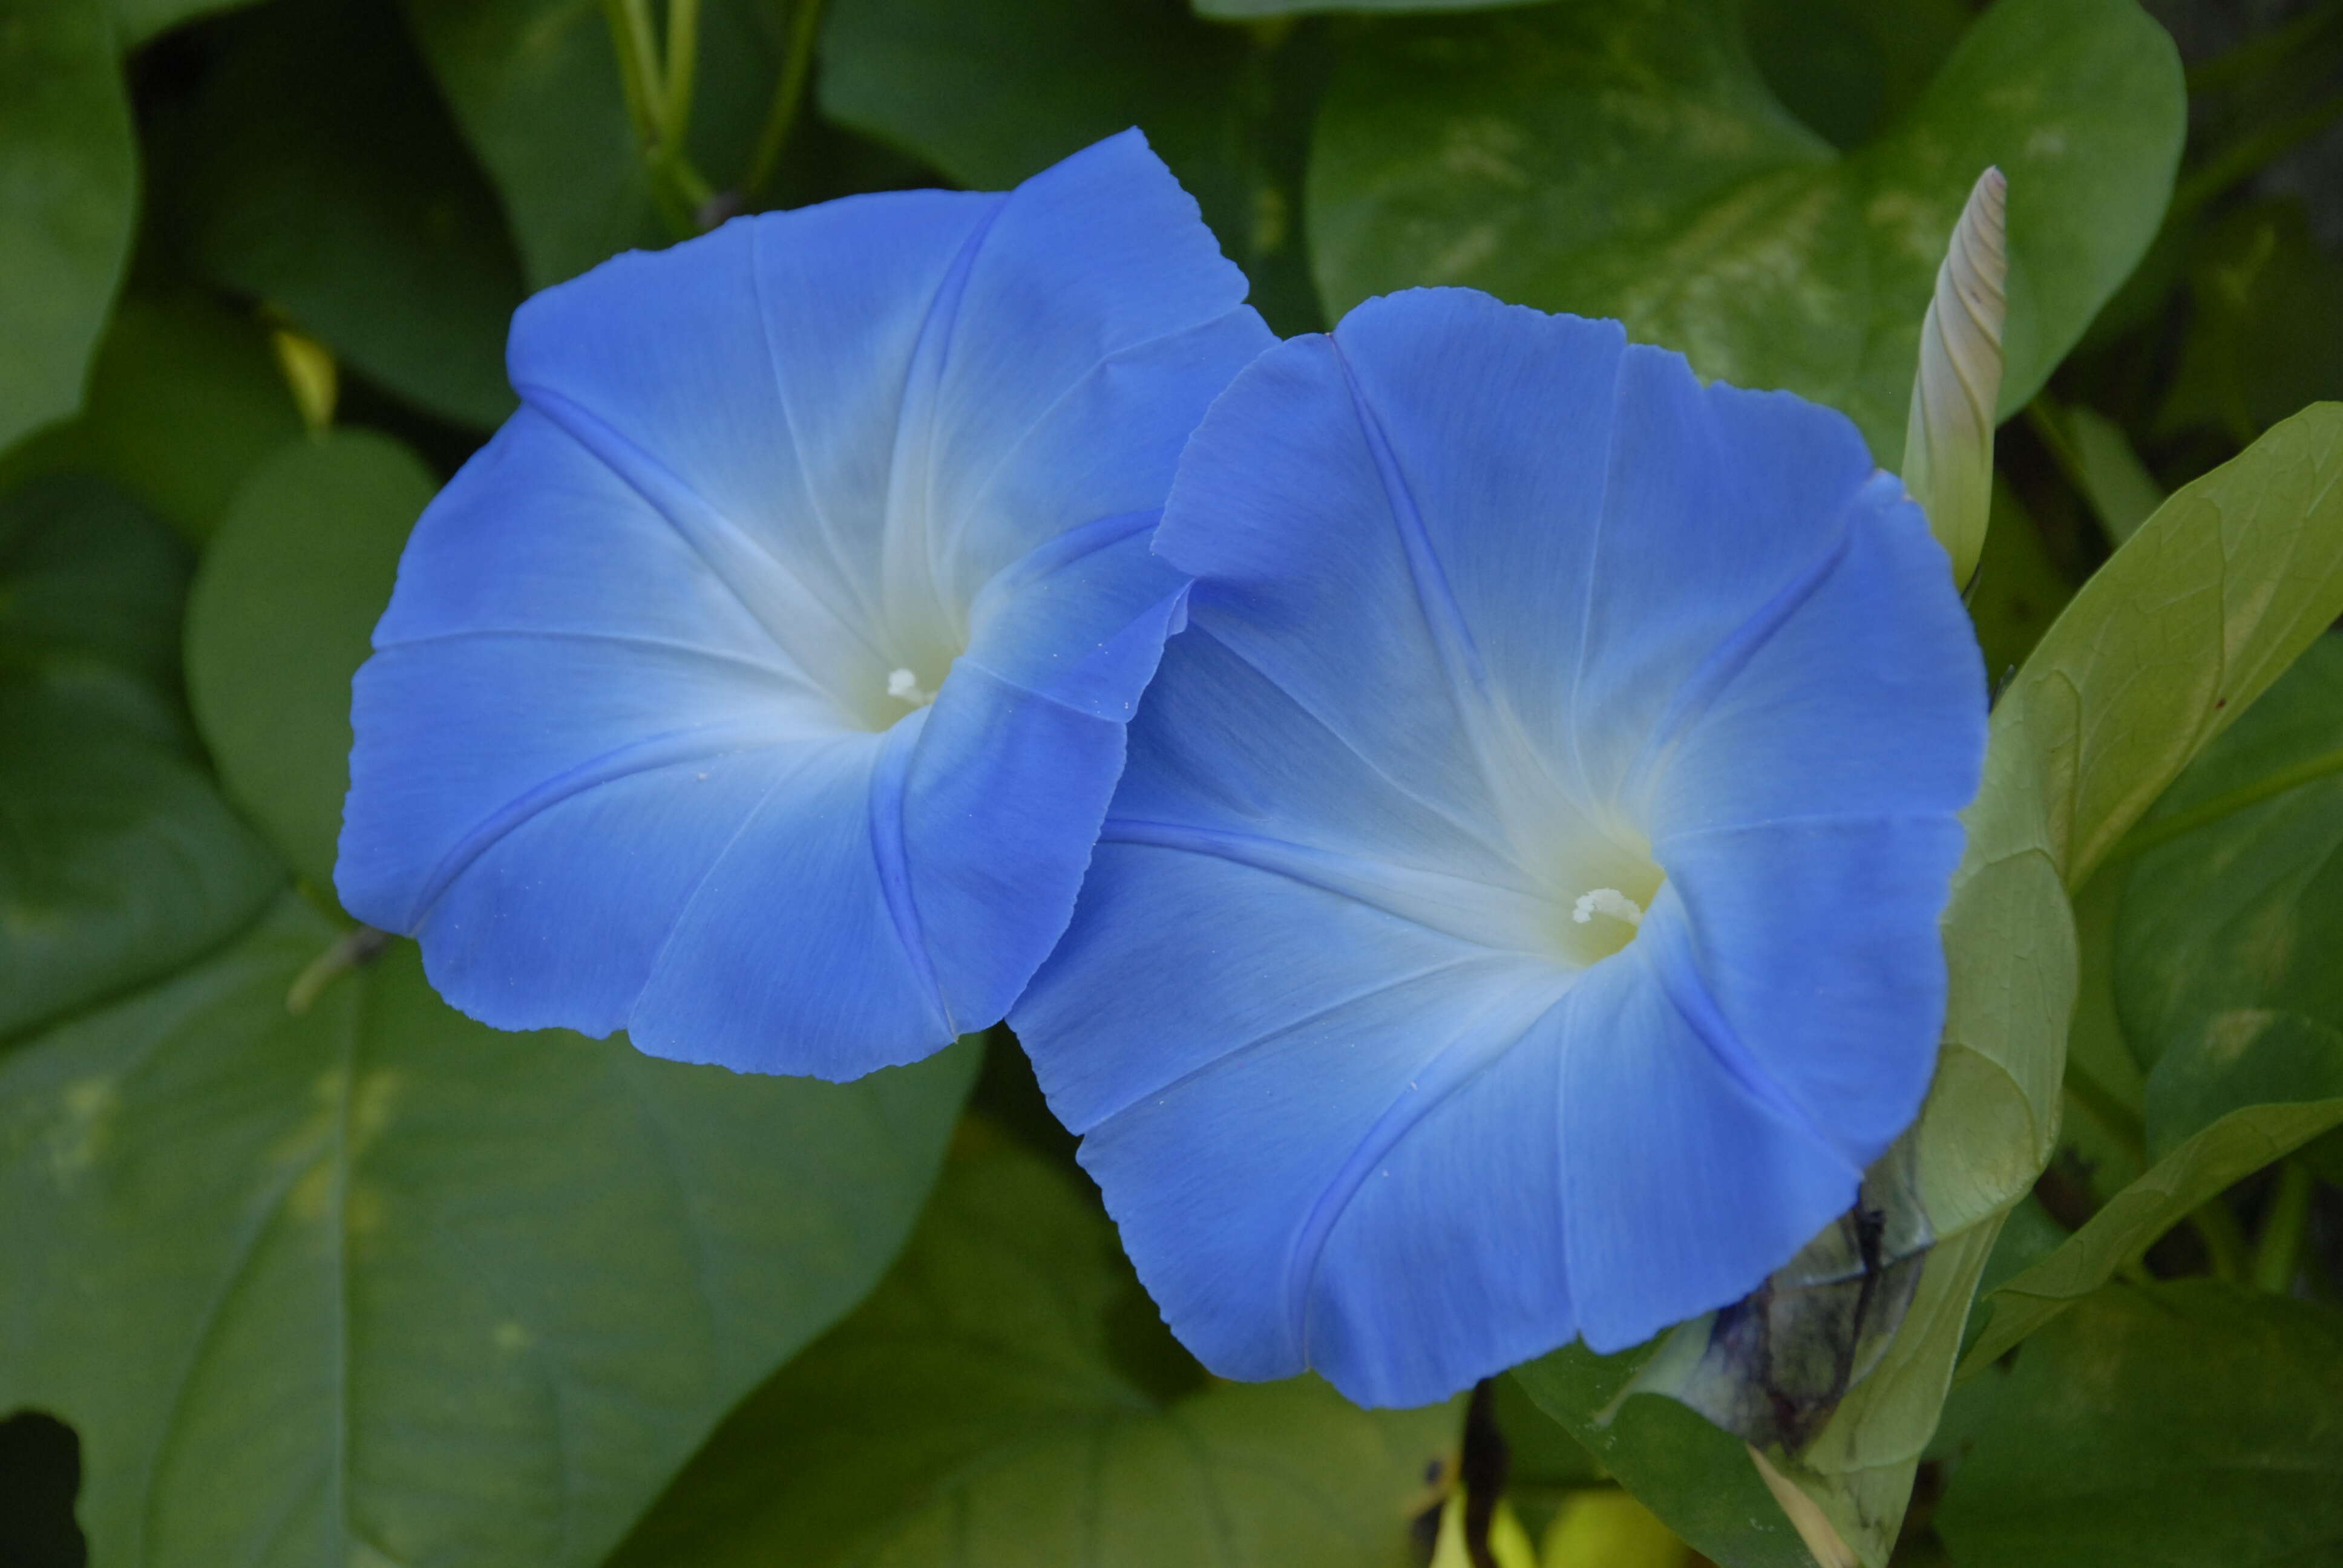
pixel 672 749
pixel 737 560
pixel 1510 918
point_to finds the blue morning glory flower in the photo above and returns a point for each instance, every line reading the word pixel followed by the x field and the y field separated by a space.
pixel 760 686
pixel 1518 920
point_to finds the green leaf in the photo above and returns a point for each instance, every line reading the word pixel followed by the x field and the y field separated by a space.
pixel 535 86
pixel 2264 337
pixel 68 200
pixel 90 592
pixel 1850 69
pixel 1628 160
pixel 374 1283
pixel 2187 1423
pixel 2222 985
pixel 2225 976
pixel 975 1409
pixel 281 617
pixel 1545 1460
pixel 1252 10
pixel 993 91
pixel 2101 1150
pixel 184 400
pixel 1697 1479
pixel 118 861
pixel 139 20
pixel 2231 1149
pixel 322 175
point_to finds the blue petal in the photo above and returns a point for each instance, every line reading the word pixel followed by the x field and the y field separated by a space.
pixel 1817 943
pixel 1493 612
pixel 1687 1179
pixel 1257 1073
pixel 627 755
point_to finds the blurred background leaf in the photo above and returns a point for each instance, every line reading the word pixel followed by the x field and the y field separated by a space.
pixel 2019 588
pixel 1630 160
pixel 2189 1422
pixel 140 20
pixel 374 1283
pixel 2227 974
pixel 2266 334
pixel 2235 1146
pixel 993 91
pixel 1249 10
pixel 184 398
pixel 315 170
pixel 68 200
pixel 1007 1397
pixel 118 861
pixel 283 614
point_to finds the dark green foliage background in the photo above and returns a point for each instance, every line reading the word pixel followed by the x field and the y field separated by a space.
pixel 299 1266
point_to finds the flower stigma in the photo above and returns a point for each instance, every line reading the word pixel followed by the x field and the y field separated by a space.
pixel 1608 901
pixel 904 687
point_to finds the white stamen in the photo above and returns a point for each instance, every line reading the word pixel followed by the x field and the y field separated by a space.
pixel 904 687
pixel 1608 901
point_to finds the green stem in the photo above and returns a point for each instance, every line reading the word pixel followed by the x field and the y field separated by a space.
pixel 682 56
pixel 797 68
pixel 659 104
pixel 2246 155
pixel 639 71
pixel 2243 65
pixel 2049 422
pixel 2225 1240
pixel 690 185
pixel 2111 1112
pixel 2148 835
pixel 360 946
pixel 2278 1255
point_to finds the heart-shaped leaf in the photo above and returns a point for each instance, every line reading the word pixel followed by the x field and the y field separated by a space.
pixel 1629 160
pixel 372 1283
pixel 997 1403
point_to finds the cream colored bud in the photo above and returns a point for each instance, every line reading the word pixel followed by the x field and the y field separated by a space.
pixel 1948 443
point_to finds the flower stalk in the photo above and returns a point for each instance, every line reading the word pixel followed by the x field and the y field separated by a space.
pixel 659 104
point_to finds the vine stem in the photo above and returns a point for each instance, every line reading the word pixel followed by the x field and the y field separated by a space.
pixel 639 70
pixel 2242 66
pixel 659 104
pixel 2242 158
pixel 2278 1254
pixel 2113 1114
pixel 2225 1241
pixel 788 92
pixel 682 57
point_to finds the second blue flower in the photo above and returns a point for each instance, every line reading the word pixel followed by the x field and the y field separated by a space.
pixel 1518 921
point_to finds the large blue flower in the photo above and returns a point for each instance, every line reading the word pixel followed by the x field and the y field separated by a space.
pixel 760 686
pixel 1519 917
